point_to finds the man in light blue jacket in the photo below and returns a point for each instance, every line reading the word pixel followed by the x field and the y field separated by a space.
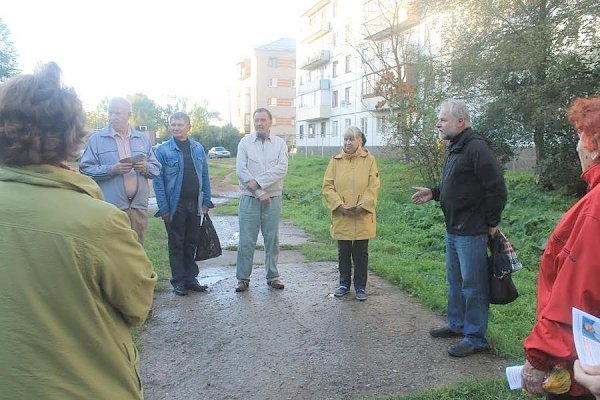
pixel 182 194
pixel 120 159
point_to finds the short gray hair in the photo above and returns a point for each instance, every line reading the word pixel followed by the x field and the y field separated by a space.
pixel 458 109
pixel 357 134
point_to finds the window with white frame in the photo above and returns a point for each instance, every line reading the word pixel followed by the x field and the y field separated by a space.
pixel 273 62
pixel 334 71
pixel 301 132
pixel 273 101
pixel 323 129
pixel 380 124
pixel 311 130
pixel 363 125
pixel 348 62
pixel 272 82
pixel 347 122
pixel 334 128
pixel 347 95
pixel 334 99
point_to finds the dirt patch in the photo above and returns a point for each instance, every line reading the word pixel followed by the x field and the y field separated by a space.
pixel 299 343
pixel 223 185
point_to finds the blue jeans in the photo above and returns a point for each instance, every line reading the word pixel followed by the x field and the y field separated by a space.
pixel 468 286
pixel 253 217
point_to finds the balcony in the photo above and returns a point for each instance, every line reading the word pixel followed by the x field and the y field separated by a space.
pixel 320 84
pixel 315 7
pixel 392 22
pixel 317 31
pixel 312 113
pixel 316 60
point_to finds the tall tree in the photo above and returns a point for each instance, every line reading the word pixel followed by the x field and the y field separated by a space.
pixel 401 73
pixel 8 54
pixel 98 118
pixel 200 117
pixel 145 112
pixel 523 62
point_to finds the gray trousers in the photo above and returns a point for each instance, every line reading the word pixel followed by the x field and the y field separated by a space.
pixel 254 217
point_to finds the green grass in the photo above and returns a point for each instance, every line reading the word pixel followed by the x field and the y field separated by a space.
pixel 221 167
pixel 409 250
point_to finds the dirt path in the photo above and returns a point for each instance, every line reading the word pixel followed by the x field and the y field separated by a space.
pixel 299 343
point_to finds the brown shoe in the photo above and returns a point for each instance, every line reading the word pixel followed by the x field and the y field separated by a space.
pixel 242 286
pixel 276 284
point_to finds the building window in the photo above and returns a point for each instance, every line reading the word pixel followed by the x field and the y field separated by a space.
pixel 334 128
pixel 301 132
pixel 347 122
pixel 348 63
pixel 334 71
pixel 380 124
pixel 323 129
pixel 285 102
pixel 311 130
pixel 334 99
pixel 273 101
pixel 347 95
pixel 273 62
pixel 247 122
pixel 363 125
pixel 272 82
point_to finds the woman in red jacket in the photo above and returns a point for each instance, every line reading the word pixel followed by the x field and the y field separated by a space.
pixel 570 267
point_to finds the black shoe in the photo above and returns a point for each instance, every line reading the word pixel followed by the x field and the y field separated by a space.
pixel 196 287
pixel 464 349
pixel 341 291
pixel 180 290
pixel 444 332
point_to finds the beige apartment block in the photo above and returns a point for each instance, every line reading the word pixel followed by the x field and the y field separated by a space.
pixel 267 78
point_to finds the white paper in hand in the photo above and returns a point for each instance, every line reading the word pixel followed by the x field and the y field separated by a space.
pixel 586 333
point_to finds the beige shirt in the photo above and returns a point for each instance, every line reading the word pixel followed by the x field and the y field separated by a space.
pixel 129 179
pixel 264 161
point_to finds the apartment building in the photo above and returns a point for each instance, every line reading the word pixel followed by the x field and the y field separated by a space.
pixel 341 74
pixel 267 79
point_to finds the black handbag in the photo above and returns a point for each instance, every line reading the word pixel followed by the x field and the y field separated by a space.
pixel 209 245
pixel 502 287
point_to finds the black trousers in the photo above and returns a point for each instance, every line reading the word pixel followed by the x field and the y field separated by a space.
pixel 353 252
pixel 184 233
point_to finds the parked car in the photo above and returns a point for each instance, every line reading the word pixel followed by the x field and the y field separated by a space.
pixel 219 152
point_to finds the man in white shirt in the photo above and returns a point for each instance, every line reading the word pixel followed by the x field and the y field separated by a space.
pixel 261 165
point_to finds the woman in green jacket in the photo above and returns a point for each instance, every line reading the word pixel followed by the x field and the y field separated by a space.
pixel 73 277
pixel 350 187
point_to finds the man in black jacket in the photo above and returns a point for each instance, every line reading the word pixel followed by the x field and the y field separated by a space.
pixel 472 195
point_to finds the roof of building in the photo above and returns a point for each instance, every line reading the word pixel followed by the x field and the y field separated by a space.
pixel 280 44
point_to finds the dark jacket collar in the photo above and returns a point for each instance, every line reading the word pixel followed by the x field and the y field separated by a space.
pixel 460 140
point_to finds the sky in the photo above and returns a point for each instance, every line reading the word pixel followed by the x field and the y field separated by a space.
pixel 164 49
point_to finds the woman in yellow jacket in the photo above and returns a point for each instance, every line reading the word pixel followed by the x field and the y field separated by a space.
pixel 350 187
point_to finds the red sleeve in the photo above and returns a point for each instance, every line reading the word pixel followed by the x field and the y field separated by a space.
pixel 568 278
